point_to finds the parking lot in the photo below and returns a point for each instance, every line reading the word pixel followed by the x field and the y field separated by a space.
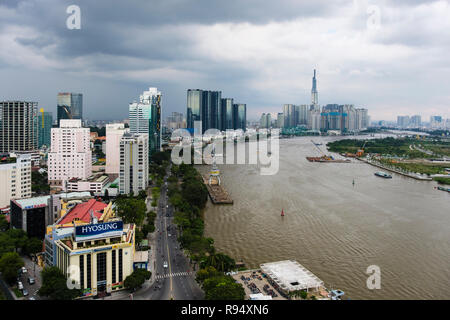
pixel 254 282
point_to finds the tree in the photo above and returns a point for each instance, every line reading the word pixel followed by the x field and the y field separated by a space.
pixel 54 285
pixel 136 279
pixel 223 288
pixel 10 263
pixel 208 272
pixel 33 246
pixel 4 224
pixel 131 210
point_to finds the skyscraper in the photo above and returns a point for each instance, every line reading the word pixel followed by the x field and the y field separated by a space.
pixel 70 106
pixel 18 126
pixel 204 106
pixel 314 93
pixel 227 113
pixel 44 125
pixel 240 116
pixel 145 118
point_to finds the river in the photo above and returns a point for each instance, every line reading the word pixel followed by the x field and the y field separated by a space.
pixel 334 228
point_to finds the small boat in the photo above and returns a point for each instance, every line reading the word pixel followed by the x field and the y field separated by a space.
pixel 353 183
pixel 336 294
pixel 282 212
pixel 383 175
pixel 443 189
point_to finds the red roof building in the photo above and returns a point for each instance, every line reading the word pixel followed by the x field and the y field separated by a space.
pixel 81 212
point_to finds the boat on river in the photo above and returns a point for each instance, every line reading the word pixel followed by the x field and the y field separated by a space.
pixel 383 175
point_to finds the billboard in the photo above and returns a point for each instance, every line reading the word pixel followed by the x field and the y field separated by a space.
pixel 98 230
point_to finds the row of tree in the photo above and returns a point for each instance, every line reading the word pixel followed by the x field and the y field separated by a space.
pixel 190 199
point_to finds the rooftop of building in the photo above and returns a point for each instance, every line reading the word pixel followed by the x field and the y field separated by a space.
pixel 290 275
pixel 6 160
pixel 43 200
pixel 141 256
pixel 81 212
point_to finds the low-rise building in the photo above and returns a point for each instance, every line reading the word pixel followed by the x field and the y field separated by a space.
pixel 91 239
pixel 15 177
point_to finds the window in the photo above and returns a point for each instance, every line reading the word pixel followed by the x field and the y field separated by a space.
pixel 113 254
pixel 120 265
pixel 88 274
pixel 82 271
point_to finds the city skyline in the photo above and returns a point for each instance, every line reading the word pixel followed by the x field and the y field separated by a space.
pixel 383 68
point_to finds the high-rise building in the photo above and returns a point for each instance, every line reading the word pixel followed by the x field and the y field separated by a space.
pixel 227 113
pixel 436 122
pixel 205 106
pixel 291 115
pixel 266 120
pixel 133 175
pixel 303 114
pixel 314 93
pixel 416 121
pixel 15 177
pixel 403 121
pixel 70 106
pixel 145 118
pixel 70 153
pixel 240 116
pixel 280 120
pixel 18 126
pixel 45 121
pixel 175 121
pixel 114 133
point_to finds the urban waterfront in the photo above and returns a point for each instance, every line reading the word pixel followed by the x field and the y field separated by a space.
pixel 334 228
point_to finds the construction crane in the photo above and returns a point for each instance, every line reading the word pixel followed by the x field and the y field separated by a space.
pixel 318 148
pixel 361 151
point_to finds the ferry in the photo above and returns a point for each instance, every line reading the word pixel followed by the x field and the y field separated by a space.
pixel 383 175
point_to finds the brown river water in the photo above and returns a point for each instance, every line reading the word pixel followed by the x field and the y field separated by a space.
pixel 335 229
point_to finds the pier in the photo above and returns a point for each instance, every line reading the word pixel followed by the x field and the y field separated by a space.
pixel 217 193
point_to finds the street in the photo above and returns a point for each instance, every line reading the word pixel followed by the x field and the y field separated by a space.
pixel 177 280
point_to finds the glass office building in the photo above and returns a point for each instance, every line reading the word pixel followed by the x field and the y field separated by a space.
pixel 227 113
pixel 239 116
pixel 45 120
pixel 70 106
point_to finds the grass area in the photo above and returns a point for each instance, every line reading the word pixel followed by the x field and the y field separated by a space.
pixel 442 149
pixel 414 167
pixel 442 180
pixel 2 296
pixel 388 146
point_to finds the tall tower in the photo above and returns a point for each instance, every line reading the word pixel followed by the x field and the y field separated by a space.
pixel 314 93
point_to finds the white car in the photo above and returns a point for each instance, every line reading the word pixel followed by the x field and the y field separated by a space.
pixel 24 270
pixel 165 265
pixel 19 285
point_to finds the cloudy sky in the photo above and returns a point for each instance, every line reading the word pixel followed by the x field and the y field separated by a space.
pixel 392 57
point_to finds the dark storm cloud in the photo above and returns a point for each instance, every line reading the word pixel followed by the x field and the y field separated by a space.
pixel 259 52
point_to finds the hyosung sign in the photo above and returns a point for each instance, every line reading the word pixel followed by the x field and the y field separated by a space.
pixel 98 230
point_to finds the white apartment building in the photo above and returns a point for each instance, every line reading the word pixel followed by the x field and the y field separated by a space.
pixel 15 177
pixel 114 133
pixel 133 175
pixel 70 154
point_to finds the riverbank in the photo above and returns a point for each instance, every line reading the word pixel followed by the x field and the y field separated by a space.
pixel 395 171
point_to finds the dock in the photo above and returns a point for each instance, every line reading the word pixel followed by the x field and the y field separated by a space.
pixel 217 193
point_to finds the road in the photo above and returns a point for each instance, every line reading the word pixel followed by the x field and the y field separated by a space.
pixel 34 271
pixel 177 280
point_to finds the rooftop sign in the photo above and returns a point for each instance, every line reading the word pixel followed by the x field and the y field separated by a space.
pixel 98 230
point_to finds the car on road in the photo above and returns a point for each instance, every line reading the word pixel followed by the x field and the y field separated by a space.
pixel 19 285
pixel 165 265
pixel 24 270
pixel 31 280
pixel 31 298
pixel 169 235
pixel 25 292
